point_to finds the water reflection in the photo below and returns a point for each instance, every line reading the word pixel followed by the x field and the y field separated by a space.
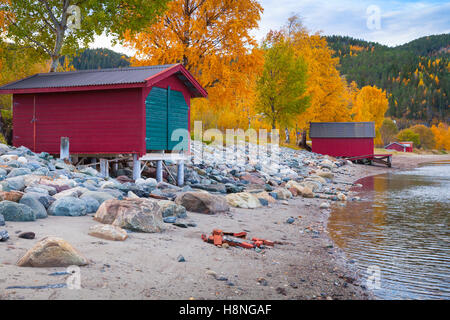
pixel 402 226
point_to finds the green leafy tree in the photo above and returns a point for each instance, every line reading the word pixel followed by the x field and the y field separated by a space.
pixel 282 85
pixel 388 130
pixel 60 27
pixel 426 136
pixel 409 135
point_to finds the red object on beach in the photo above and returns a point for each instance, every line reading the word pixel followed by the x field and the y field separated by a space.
pixel 108 111
pixel 406 146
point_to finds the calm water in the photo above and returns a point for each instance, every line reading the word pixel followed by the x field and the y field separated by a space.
pixel 401 226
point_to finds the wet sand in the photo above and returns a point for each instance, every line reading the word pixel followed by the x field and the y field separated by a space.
pixel 305 265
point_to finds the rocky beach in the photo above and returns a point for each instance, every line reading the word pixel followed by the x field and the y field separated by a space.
pixel 143 239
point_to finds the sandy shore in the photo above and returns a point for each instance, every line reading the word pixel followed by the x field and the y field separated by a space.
pixel 305 265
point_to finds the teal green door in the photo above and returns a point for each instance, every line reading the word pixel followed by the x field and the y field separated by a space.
pixel 166 112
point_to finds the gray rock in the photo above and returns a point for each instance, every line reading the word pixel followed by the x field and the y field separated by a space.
pixel 171 209
pixel 19 172
pixel 36 190
pixel 97 195
pixel 44 199
pixel 68 206
pixel 4 236
pixel 35 205
pixel 15 183
pixel 2 220
pixel 91 204
pixel 12 211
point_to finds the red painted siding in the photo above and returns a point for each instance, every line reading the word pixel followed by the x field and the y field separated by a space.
pixel 396 147
pixel 343 147
pixel 104 121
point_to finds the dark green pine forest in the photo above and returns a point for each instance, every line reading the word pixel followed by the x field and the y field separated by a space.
pixel 415 75
pixel 97 59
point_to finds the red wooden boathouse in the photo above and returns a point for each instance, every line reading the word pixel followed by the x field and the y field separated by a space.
pixel 406 146
pixel 342 139
pixel 104 112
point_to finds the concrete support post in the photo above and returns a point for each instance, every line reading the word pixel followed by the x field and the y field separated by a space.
pixel 64 150
pixel 180 173
pixel 104 168
pixel 136 167
pixel 159 174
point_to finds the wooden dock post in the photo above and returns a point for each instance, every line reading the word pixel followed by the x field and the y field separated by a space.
pixel 180 173
pixel 64 150
pixel 136 167
pixel 159 174
pixel 104 168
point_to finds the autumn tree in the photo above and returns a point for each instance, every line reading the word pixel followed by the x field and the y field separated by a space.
pixel 388 131
pixel 409 135
pixel 330 100
pixel 426 136
pixel 212 39
pixel 59 27
pixel 442 136
pixel 282 86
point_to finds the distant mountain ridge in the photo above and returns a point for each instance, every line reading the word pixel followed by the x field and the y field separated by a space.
pixel 415 75
pixel 97 59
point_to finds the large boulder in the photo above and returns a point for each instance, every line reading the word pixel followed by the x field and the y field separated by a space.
pixel 243 200
pixel 302 189
pixel 142 215
pixel 202 202
pixel 171 209
pixel 108 232
pixel 15 183
pixel 68 206
pixel 13 211
pixel 98 195
pixel 73 192
pixel 2 220
pixel 35 205
pixel 18 172
pixel 91 204
pixel 52 252
pixel 13 196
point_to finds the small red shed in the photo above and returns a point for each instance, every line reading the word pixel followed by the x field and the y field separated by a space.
pixel 342 139
pixel 104 112
pixel 406 146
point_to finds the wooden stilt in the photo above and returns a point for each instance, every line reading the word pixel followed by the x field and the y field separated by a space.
pixel 136 167
pixel 159 174
pixel 64 150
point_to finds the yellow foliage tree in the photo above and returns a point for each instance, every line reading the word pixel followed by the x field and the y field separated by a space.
pixel 330 95
pixel 371 104
pixel 441 136
pixel 212 39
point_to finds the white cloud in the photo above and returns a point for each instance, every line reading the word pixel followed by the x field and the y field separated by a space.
pixel 401 20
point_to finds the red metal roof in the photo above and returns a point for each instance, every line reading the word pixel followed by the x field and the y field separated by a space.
pixel 103 79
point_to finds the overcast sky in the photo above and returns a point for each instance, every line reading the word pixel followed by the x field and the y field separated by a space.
pixel 387 22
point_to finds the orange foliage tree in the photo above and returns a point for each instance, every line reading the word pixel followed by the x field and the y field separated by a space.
pixel 330 95
pixel 211 38
pixel 371 104
pixel 441 136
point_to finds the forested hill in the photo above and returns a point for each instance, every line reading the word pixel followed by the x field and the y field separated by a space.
pixel 97 59
pixel 415 75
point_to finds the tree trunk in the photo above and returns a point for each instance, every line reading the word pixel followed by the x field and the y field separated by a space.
pixel 303 144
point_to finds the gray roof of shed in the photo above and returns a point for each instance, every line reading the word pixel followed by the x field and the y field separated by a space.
pixel 87 78
pixel 342 130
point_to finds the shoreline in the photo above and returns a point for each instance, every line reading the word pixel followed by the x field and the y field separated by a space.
pixel 304 264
